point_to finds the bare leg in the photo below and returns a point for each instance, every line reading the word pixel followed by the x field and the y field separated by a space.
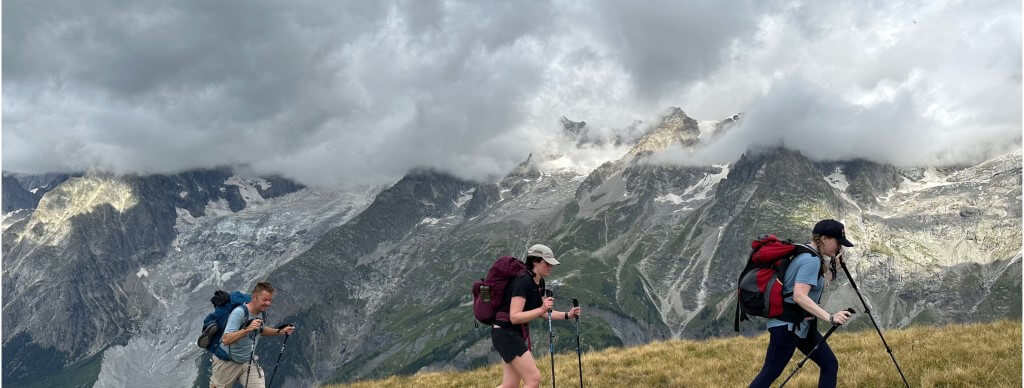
pixel 509 378
pixel 526 369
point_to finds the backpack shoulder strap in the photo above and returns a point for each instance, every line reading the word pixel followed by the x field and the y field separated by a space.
pixel 798 249
pixel 804 248
pixel 245 310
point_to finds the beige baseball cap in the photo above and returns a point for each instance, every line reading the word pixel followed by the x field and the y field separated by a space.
pixel 542 251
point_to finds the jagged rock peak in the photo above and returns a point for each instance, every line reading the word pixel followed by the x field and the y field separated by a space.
pixel 675 116
pixel 576 130
pixel 674 126
pixel 728 123
pixel 527 170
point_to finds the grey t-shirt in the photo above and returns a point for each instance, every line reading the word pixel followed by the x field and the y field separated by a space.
pixel 805 269
pixel 241 349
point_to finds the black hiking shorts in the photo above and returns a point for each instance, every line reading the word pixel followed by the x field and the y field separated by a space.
pixel 508 342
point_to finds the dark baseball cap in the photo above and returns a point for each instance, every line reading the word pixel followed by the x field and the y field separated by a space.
pixel 832 228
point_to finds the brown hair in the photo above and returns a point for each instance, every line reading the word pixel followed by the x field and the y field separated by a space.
pixel 532 260
pixel 818 241
pixel 262 286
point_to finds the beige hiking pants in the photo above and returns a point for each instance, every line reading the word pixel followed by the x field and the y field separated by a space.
pixel 226 373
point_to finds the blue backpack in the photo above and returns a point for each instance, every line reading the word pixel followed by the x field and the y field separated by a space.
pixel 215 322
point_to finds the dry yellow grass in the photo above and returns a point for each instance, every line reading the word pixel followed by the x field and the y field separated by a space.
pixel 976 355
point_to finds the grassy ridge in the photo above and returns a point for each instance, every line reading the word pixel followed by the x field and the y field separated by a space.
pixel 978 355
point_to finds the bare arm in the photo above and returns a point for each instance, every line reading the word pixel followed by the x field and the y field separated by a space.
pixel 518 316
pixel 800 291
pixel 272 331
pixel 563 315
pixel 232 337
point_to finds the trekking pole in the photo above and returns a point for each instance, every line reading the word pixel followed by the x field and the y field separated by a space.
pixel 551 341
pixel 274 373
pixel 579 356
pixel 808 356
pixel 251 354
pixel 868 310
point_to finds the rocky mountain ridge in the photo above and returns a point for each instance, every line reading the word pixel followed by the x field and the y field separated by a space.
pixel 377 279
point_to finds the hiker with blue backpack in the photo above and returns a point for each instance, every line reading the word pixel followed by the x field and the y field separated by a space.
pixel 232 331
pixel 809 269
pixel 512 295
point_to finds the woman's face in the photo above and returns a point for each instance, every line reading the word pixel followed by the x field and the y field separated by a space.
pixel 542 268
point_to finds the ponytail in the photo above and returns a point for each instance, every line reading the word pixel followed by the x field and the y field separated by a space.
pixel 817 241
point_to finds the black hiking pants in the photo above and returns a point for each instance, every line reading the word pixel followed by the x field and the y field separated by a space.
pixel 781 347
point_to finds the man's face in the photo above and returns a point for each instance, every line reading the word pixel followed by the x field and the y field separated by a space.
pixel 263 299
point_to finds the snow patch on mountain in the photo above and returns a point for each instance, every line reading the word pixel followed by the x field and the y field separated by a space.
pixel 706 129
pixel 263 184
pixel 465 197
pixel 562 165
pixel 838 180
pixel 579 161
pixel 247 188
pixel 931 178
pixel 675 199
pixel 218 208
pixel 700 191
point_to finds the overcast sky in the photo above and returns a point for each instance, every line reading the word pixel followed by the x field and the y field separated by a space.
pixel 330 92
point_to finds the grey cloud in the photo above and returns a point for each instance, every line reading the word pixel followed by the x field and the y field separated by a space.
pixel 801 116
pixel 665 45
pixel 154 87
pixel 889 82
pixel 361 92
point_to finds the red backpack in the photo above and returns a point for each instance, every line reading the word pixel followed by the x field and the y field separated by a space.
pixel 760 284
pixel 489 292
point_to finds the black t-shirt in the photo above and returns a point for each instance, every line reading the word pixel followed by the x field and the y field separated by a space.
pixel 523 286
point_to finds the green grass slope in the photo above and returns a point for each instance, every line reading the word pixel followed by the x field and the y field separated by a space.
pixel 975 355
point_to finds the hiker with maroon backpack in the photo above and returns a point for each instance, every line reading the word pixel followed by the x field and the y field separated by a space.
pixel 803 277
pixel 508 299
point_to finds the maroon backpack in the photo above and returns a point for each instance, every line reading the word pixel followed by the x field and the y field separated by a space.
pixel 760 283
pixel 489 292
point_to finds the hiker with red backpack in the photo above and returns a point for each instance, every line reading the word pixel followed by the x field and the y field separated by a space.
pixel 508 299
pixel 803 277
